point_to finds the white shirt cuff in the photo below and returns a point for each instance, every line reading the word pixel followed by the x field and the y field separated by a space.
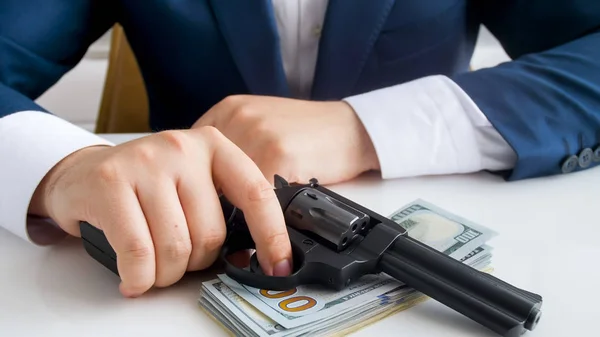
pixel 430 126
pixel 31 143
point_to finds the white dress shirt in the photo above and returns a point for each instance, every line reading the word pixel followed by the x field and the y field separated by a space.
pixel 424 127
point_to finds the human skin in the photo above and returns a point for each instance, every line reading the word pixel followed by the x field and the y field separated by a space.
pixel 157 200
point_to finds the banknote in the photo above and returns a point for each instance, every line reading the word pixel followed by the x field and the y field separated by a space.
pixel 424 222
pixel 240 317
pixel 305 304
pixel 479 258
pixel 447 232
pixel 234 312
pixel 311 310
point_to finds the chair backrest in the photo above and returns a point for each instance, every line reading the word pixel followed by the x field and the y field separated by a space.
pixel 124 103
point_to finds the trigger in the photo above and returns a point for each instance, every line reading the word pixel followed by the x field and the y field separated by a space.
pixel 254 265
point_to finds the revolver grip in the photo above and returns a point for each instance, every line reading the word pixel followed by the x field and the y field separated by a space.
pixel 497 305
pixel 98 247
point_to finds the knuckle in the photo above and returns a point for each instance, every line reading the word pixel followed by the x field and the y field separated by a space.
pixel 258 190
pixel 145 154
pixel 107 171
pixel 232 99
pixel 276 147
pixel 176 139
pixel 276 153
pixel 138 250
pixel 277 158
pixel 210 132
pixel 264 128
pixel 244 113
pixel 213 242
pixel 177 250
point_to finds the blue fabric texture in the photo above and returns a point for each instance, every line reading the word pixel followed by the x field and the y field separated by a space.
pixel 193 53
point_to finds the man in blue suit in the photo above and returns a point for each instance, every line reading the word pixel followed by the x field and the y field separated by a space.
pixel 240 90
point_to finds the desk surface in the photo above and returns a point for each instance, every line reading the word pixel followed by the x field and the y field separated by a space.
pixel 547 243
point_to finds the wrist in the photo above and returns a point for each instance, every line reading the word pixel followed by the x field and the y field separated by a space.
pixel 40 201
pixel 363 146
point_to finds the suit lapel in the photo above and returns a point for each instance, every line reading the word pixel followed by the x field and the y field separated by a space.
pixel 348 34
pixel 250 31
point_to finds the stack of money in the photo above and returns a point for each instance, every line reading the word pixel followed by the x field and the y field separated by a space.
pixel 314 310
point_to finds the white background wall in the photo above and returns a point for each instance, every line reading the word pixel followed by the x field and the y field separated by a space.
pixel 76 97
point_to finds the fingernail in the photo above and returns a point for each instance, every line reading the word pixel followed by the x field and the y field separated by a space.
pixel 282 268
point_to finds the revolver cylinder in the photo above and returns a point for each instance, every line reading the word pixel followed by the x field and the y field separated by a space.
pixel 328 218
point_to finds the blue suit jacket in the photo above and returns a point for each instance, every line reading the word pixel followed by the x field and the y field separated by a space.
pixel 193 53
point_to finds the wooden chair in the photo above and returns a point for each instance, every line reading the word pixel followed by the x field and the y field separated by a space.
pixel 124 102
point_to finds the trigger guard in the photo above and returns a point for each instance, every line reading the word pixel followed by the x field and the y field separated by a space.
pixel 255 277
pixel 255 266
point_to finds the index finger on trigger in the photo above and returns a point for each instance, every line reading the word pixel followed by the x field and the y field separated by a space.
pixel 245 186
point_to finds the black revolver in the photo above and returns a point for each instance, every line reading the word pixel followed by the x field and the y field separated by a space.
pixel 335 241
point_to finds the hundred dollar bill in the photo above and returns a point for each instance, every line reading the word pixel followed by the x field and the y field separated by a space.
pixel 243 319
pixel 306 304
pixel 307 308
pixel 424 222
pixel 440 229
pixel 235 313
pixel 479 258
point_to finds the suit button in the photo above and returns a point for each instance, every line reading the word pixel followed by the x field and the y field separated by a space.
pixel 597 154
pixel 585 157
pixel 570 164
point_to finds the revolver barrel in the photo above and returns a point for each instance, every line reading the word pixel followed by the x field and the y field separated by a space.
pixel 497 305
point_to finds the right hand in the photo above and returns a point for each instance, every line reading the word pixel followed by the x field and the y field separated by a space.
pixel 156 199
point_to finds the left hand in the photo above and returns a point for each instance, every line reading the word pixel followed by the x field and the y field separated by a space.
pixel 296 139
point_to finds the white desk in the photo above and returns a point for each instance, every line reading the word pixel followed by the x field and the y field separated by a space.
pixel 548 243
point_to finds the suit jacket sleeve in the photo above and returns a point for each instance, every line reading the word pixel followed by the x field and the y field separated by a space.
pixel 41 40
pixel 546 101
